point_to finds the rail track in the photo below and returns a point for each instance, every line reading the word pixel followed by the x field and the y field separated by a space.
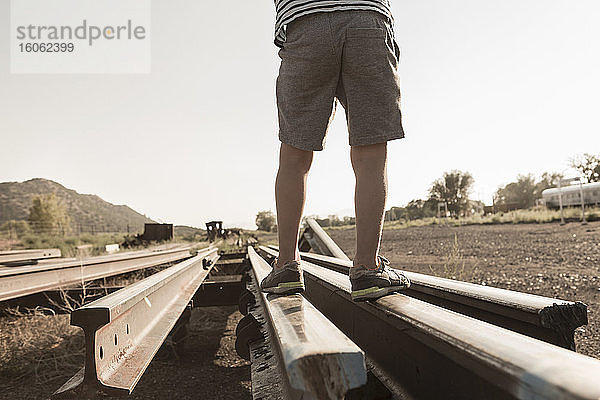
pixel 440 339
pixel 551 320
pixel 26 280
pixel 24 257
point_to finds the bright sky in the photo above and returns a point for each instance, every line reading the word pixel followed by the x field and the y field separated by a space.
pixel 496 88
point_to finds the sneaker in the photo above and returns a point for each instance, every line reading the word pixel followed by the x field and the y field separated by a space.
pixel 369 284
pixel 284 280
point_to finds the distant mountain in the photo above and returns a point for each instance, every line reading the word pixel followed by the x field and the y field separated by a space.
pixel 89 213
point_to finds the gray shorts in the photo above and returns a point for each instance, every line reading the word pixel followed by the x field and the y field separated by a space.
pixel 350 55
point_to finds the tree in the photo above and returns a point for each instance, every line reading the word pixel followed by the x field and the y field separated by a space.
pixel 48 215
pixel 395 213
pixel 525 191
pixel 521 193
pixel 15 228
pixel 453 188
pixel 588 165
pixel 347 220
pixel 418 209
pixel 547 181
pixel 332 220
pixel 415 209
pixel 265 221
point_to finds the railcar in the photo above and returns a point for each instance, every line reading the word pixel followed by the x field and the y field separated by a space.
pixel 571 195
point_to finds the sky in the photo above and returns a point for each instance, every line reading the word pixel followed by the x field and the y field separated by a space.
pixel 495 88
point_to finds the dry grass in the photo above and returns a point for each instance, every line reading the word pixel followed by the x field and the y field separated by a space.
pixel 455 266
pixel 40 346
pixel 266 238
pixel 533 215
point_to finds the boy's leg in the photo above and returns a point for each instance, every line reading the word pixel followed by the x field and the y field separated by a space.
pixel 370 276
pixel 290 195
pixel 308 75
pixel 369 90
pixel 369 163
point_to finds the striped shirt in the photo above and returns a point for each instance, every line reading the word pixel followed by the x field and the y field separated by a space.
pixel 289 10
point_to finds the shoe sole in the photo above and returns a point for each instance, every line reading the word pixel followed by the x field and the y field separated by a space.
pixel 285 288
pixel 375 292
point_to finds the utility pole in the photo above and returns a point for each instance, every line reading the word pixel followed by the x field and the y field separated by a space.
pixel 562 218
pixel 583 221
pixel 560 182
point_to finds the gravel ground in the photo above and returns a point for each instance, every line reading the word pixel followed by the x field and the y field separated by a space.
pixel 209 367
pixel 544 259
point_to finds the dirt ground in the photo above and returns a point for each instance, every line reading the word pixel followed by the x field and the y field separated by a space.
pixel 209 367
pixel 544 259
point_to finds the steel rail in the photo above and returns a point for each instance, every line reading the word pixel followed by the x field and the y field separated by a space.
pixel 320 362
pixel 316 238
pixel 551 320
pixel 21 281
pixel 14 256
pixel 436 353
pixel 223 290
pixel 125 329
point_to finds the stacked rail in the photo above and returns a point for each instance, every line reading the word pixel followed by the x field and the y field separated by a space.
pixel 21 257
pixel 26 280
pixel 125 329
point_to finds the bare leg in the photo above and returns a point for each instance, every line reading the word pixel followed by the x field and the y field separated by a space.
pixel 370 168
pixel 290 195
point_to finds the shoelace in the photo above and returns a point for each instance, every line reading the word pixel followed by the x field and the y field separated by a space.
pixel 276 262
pixel 382 263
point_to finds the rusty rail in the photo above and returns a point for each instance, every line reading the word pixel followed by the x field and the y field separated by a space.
pixel 21 281
pixel 125 329
pixel 317 360
pixel 436 353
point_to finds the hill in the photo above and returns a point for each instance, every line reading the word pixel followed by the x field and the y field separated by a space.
pixel 89 213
